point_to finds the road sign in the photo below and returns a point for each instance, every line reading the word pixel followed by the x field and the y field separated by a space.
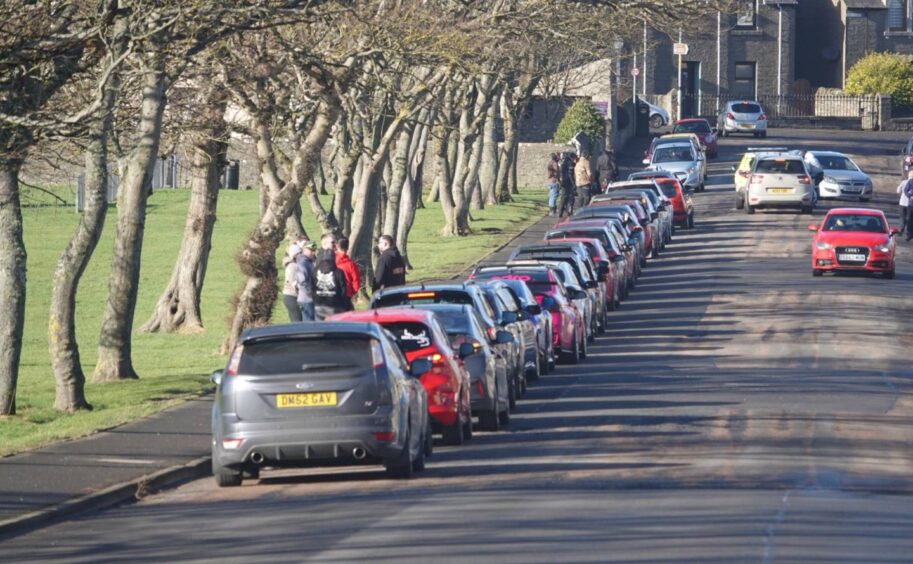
pixel 635 71
pixel 679 48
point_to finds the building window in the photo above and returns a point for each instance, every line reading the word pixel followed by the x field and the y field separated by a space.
pixel 897 15
pixel 744 80
pixel 747 14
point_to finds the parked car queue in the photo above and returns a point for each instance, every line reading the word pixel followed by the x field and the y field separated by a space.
pixel 373 387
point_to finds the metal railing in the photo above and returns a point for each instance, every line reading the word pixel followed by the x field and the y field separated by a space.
pixel 788 106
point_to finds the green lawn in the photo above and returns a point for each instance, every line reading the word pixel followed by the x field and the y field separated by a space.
pixel 173 368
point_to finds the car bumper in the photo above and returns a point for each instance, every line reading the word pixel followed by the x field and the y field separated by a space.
pixel 876 262
pixel 732 126
pixel 799 199
pixel 833 190
pixel 290 444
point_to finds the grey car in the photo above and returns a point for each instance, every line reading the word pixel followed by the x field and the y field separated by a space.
pixel 318 394
pixel 838 176
pixel 745 116
pixel 682 160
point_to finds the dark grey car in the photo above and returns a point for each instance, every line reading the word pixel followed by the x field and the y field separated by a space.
pixel 318 394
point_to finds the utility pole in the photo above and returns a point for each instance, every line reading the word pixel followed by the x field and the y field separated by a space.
pixel 680 101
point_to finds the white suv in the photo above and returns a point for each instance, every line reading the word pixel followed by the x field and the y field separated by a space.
pixel 780 181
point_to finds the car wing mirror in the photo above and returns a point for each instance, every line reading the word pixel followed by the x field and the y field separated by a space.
pixel 646 161
pixel 894 231
pixel 813 227
pixel 467 350
pixel 534 309
pixel 216 377
pixel 419 366
pixel 504 337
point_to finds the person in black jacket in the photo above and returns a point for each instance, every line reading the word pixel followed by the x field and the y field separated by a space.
pixel 391 268
pixel 329 287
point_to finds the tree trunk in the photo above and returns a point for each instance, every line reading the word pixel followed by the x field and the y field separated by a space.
pixel 257 259
pixel 12 283
pixel 412 191
pixel 488 168
pixel 400 164
pixel 115 342
pixel 178 308
pixel 505 158
pixel 512 184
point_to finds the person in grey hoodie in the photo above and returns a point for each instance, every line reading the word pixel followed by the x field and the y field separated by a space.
pixel 290 285
pixel 305 264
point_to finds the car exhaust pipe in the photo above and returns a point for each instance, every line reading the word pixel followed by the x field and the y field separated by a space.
pixel 256 458
pixel 359 453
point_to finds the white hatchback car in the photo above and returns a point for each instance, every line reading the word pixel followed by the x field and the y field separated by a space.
pixel 780 181
pixel 838 176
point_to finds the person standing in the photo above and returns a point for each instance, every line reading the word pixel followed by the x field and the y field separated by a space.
pixel 583 180
pixel 348 267
pixel 908 192
pixel 904 201
pixel 391 268
pixel 305 263
pixel 290 285
pixel 606 170
pixel 554 179
pixel 329 287
pixel 566 206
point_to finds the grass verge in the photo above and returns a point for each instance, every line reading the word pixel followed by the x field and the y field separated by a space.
pixel 173 368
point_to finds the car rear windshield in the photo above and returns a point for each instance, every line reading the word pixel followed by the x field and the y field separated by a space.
pixel 853 222
pixel 743 108
pixel 305 355
pixel 672 154
pixel 454 322
pixel 692 127
pixel 410 336
pixel 425 297
pixel 784 166
pixel 668 189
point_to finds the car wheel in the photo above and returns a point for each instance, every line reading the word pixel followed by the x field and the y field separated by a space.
pixel 467 425
pixel 512 392
pixel 749 209
pixel 611 305
pixel 691 220
pixel 225 476
pixel 429 441
pixel 533 373
pixel 583 349
pixel 504 417
pixel 656 121
pixel 453 434
pixel 551 359
pixel 251 472
pixel 739 202
pixel 401 466
pixel 488 420
pixel 817 272
pixel 573 355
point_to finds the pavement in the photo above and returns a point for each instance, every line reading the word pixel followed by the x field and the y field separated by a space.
pixel 737 409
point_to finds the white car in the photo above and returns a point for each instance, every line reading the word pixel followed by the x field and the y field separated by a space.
pixel 838 176
pixel 778 181
pixel 742 117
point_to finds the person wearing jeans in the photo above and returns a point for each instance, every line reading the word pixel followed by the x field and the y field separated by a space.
pixel 554 173
pixel 904 202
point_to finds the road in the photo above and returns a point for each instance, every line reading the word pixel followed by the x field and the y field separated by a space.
pixel 736 410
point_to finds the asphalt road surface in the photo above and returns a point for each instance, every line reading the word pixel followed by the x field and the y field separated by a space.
pixel 736 410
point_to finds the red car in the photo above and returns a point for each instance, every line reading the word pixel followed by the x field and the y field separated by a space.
pixel 701 128
pixel 419 334
pixel 682 204
pixel 853 239
pixel 612 276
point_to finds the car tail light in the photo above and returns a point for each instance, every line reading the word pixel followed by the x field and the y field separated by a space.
pixel 377 354
pixel 492 333
pixel 383 436
pixel 231 444
pixel 804 179
pixel 729 115
pixel 480 389
pixel 757 178
pixel 762 117
pixel 420 295
pixel 234 361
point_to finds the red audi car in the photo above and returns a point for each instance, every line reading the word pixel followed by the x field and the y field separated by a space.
pixel 419 334
pixel 701 128
pixel 853 239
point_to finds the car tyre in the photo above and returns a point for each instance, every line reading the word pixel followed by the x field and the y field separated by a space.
pixel 533 373
pixel 817 272
pixel 429 441
pixel 656 121
pixel 512 392
pixel 467 426
pixel 225 476
pixel 739 202
pixel 402 466
pixel 572 356
pixel 453 435
pixel 489 421
pixel 749 209
pixel 584 349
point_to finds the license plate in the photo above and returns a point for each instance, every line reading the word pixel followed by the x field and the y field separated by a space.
pixel 852 258
pixel 780 190
pixel 314 399
pixel 746 125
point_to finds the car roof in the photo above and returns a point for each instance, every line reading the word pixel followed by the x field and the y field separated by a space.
pixel 857 211
pixel 682 135
pixel 743 102
pixel 633 183
pixel 676 143
pixel 432 287
pixel 388 314
pixel 310 328
pixel 827 154
pixel 691 120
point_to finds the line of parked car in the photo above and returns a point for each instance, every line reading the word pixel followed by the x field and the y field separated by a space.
pixel 372 387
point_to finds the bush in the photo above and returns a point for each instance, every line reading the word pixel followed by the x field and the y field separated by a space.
pixel 581 116
pixel 883 73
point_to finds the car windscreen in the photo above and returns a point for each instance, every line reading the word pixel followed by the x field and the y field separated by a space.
pixel 743 108
pixel 781 166
pixel 692 127
pixel 410 336
pixel 836 163
pixel 855 222
pixel 424 297
pixel 304 355
pixel 672 155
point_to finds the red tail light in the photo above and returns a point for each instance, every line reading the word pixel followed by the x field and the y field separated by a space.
pixel 384 436
pixel 377 354
pixel 480 389
pixel 729 115
pixel 234 361
pixel 804 179
pixel 492 333
pixel 757 178
pixel 436 359
pixel 762 117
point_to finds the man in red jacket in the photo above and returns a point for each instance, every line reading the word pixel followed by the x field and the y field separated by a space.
pixel 349 269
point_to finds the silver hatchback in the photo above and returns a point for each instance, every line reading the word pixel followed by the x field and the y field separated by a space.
pixel 318 394
pixel 742 117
